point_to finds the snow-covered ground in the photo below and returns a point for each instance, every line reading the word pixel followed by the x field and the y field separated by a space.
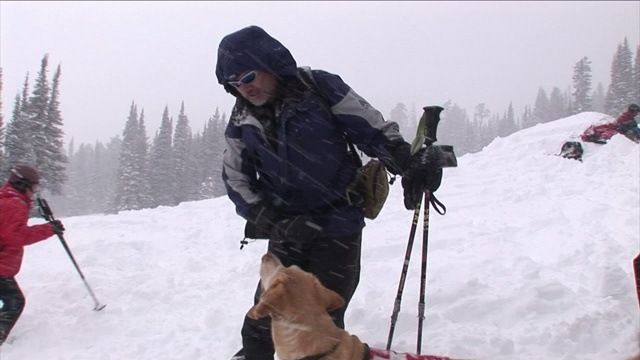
pixel 531 261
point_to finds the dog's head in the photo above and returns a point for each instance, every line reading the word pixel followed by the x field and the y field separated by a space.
pixel 289 292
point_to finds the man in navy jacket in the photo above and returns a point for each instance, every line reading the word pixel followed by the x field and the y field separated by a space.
pixel 287 167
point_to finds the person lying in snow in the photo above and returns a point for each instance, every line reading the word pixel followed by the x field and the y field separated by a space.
pixel 625 124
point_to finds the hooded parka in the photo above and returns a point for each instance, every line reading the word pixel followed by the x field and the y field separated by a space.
pixel 293 153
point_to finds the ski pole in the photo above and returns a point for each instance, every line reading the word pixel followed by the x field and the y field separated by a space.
pixel 403 275
pixel 441 157
pixel 46 212
pixel 423 273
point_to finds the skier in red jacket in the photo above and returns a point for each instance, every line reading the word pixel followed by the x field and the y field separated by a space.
pixel 625 124
pixel 15 234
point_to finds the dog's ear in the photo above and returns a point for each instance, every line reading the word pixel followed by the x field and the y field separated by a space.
pixel 268 300
pixel 330 299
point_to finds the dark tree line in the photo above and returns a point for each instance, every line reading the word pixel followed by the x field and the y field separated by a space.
pixel 130 172
pixel 133 171
pixel 176 166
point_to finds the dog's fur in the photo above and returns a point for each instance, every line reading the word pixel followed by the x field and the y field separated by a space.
pixel 301 327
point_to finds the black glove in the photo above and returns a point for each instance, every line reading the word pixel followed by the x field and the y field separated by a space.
pixel 260 221
pixel 420 176
pixel 297 229
pixel 57 226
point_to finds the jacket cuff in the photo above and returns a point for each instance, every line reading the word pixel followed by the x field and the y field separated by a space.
pixel 400 152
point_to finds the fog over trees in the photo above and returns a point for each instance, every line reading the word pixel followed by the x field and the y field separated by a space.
pixel 135 171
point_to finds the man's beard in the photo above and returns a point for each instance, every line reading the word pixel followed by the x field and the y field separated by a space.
pixel 265 96
pixel 259 102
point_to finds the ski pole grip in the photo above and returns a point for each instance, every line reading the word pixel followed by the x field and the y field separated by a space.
pixel 45 210
pixel 427 128
pixel 432 118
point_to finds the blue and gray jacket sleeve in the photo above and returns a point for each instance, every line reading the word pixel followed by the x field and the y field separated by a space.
pixel 238 171
pixel 363 124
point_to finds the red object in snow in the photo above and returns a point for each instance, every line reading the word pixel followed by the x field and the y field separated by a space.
pixel 377 354
pixel 604 132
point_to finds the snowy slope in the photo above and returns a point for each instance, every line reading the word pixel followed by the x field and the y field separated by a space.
pixel 531 261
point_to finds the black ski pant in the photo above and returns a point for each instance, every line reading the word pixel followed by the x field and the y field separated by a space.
pixel 336 263
pixel 13 302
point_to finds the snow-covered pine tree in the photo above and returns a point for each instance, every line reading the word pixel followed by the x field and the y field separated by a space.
pixel 481 121
pixel 621 91
pixel 142 162
pixel 183 173
pixel 451 130
pixel 107 160
pixel 598 98
pixel 18 146
pixel 557 105
pixel 541 113
pixel 508 123
pixel 582 86
pixel 528 120
pixel 161 165
pixel 128 191
pixel 213 146
pixel 37 117
pixel 207 155
pixel 79 188
pixel 195 168
pixel 53 158
pixel 218 145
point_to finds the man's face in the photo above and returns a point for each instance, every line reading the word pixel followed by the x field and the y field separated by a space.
pixel 258 87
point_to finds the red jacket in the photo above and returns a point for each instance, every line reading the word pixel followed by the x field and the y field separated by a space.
pixel 15 234
pixel 606 131
pixel 625 117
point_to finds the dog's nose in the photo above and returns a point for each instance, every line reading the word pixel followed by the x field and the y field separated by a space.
pixel 268 256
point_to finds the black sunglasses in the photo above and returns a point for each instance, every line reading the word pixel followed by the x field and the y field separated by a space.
pixel 245 80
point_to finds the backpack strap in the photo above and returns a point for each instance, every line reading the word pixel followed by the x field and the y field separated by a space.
pixel 306 76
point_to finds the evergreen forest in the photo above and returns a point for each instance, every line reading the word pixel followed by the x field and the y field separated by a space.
pixel 179 163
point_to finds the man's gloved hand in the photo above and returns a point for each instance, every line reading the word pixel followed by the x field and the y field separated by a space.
pixel 57 226
pixel 260 221
pixel 297 229
pixel 420 176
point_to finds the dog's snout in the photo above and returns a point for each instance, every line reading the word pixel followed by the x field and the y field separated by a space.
pixel 271 259
pixel 267 257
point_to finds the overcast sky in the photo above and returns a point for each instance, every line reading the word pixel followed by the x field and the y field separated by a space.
pixel 159 54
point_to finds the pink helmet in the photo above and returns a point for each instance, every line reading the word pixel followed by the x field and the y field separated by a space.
pixel 23 176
